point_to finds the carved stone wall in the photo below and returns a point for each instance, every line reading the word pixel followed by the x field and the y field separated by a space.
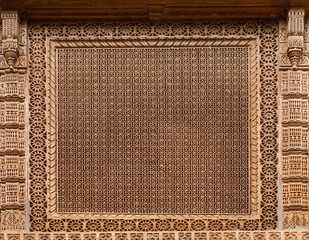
pixel 42 108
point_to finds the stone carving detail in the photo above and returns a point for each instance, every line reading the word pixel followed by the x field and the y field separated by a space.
pixel 124 35
pixel 12 140
pixel 205 235
pixel 296 22
pixel 12 167
pixel 12 220
pixel 12 113
pixel 178 120
pixel 10 35
pixel 282 31
pixel 295 83
pixel 12 85
pixel 12 194
pixel 294 120
pixel 295 35
pixel 294 138
pixel 295 110
pixel 12 124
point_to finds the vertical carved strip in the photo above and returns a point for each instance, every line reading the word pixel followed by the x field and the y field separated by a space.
pixel 294 120
pixel 12 123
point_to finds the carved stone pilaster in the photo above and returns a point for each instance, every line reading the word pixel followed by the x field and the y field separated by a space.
pixel 13 66
pixel 294 119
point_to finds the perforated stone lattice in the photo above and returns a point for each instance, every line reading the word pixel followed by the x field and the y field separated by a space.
pixel 41 36
pixel 153 130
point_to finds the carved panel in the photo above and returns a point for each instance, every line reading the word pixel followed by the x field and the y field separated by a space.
pixel 166 113
pixel 295 110
pixel 12 139
pixel 12 194
pixel 12 85
pixel 294 82
pixel 52 190
pixel 102 36
pixel 295 166
pixel 12 113
pixel 294 138
pixel 10 33
pixel 12 167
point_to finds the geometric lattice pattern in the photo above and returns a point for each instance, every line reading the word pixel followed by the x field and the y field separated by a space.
pixel 41 40
pixel 153 130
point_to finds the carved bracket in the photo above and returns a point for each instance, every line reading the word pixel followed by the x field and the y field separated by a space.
pixel 10 35
pixel 295 35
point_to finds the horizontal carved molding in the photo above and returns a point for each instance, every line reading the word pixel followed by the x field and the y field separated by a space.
pixel 260 235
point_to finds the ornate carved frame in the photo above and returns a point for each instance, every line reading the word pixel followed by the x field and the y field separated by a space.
pixel 43 40
pixel 51 108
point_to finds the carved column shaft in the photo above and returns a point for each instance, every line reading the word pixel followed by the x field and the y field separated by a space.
pixel 12 124
pixel 294 119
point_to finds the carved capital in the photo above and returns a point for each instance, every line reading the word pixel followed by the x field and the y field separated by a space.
pixel 10 37
pixel 296 22
pixel 295 35
pixel 294 55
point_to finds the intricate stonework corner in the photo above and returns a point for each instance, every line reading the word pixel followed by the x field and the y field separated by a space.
pixel 295 35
